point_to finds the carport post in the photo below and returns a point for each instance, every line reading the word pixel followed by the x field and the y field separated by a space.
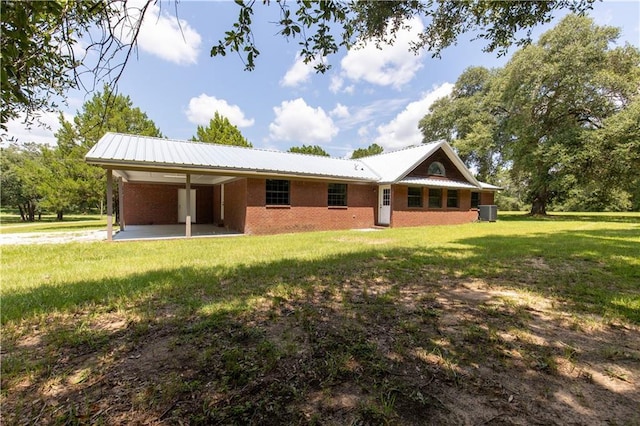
pixel 109 205
pixel 188 219
pixel 121 204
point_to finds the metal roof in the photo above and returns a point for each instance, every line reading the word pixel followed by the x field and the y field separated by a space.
pixel 136 156
pixel 438 183
pixel 120 150
pixel 394 165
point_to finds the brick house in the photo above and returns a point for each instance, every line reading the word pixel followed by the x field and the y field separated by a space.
pixel 257 191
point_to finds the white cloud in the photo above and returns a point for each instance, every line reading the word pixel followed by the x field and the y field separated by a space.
pixel 340 111
pixel 392 65
pixel 202 109
pixel 375 111
pixel 161 34
pixel 40 134
pixel 403 130
pixel 363 131
pixel 298 73
pixel 297 121
pixel 336 83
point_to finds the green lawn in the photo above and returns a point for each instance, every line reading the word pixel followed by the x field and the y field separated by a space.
pixel 10 222
pixel 454 324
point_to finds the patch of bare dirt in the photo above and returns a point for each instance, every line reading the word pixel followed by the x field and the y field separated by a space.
pixel 364 351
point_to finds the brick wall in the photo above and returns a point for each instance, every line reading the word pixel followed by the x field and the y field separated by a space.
pixel 150 204
pixel 235 205
pixel 204 204
pixel 487 198
pixel 403 215
pixel 245 209
pixel 157 204
pixel 308 210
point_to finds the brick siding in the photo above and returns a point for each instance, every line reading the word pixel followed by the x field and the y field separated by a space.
pixel 403 215
pixel 157 204
pixel 245 210
pixel 308 210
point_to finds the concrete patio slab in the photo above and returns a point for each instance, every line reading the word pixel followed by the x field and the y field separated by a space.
pixel 160 232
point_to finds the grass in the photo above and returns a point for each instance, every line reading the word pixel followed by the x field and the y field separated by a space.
pixel 10 223
pixel 388 327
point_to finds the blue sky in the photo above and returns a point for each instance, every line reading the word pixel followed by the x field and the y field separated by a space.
pixel 368 96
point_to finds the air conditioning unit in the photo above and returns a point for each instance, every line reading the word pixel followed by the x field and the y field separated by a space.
pixel 488 213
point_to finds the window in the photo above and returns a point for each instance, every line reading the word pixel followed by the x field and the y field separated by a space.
pixel 452 198
pixel 475 200
pixel 415 197
pixel 277 192
pixel 337 194
pixel 436 168
pixel 386 196
pixel 435 198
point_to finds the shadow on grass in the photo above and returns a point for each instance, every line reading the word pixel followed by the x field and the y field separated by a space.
pixel 358 338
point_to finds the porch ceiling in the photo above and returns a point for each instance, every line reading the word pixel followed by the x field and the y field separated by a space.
pixel 171 177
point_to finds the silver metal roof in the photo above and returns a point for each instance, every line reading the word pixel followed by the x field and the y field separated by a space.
pixel 143 158
pixel 129 150
pixel 394 165
pixel 438 183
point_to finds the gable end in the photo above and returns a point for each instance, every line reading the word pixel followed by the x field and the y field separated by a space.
pixel 451 171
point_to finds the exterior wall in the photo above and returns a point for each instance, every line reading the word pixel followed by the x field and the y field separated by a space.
pixel 245 210
pixel 157 204
pixel 403 215
pixel 216 203
pixel 308 210
pixel 235 205
pixel 150 204
pixel 204 204
pixel 487 198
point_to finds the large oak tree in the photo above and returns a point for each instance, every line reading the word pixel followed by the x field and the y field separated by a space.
pixel 553 114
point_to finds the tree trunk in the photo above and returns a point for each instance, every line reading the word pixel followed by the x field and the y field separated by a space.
pixel 539 206
pixel 60 216
pixel 32 212
pixel 22 216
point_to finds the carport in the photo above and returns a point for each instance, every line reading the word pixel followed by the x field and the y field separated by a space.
pixel 187 225
pixel 162 166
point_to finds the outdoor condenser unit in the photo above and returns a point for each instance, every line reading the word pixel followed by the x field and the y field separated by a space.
pixel 488 213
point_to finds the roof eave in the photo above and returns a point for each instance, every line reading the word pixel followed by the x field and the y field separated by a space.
pixel 172 167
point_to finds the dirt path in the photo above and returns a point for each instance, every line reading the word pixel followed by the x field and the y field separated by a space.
pixel 52 237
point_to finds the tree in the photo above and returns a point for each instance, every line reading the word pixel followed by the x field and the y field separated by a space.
pixel 221 131
pixel 556 93
pixel 66 181
pixel 372 149
pixel 39 39
pixel 466 119
pixel 311 150
pixel 500 23
pixel 38 50
pixel 538 114
pixel 19 165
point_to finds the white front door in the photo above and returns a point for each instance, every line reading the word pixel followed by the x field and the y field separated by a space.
pixel 182 205
pixel 384 204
